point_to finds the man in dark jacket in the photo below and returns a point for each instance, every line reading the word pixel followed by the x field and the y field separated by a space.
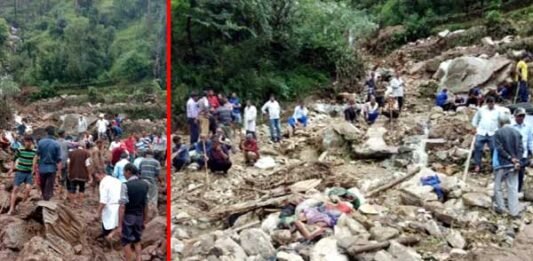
pixel 132 212
pixel 49 155
pixel 509 151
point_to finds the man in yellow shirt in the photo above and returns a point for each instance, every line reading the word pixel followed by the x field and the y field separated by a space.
pixel 521 78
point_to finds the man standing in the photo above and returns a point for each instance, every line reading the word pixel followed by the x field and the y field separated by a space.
pixel 213 100
pixel 527 143
pixel 510 150
pixel 224 115
pixel 486 123
pixel 250 115
pixel 118 172
pixel 25 161
pixel 101 126
pixel 49 155
pixel 132 213
pixel 150 170
pixel 82 126
pixel 64 146
pixel 236 113
pixel 99 155
pixel 274 110
pixel 192 118
pixel 371 85
pixel 110 189
pixel 78 175
pixel 159 146
pixel 521 78
pixel 397 88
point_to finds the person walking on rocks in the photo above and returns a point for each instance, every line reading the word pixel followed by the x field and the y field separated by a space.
pixel 49 155
pixel 110 189
pixel 192 118
pixel 132 212
pixel 25 162
pixel 274 110
pixel 527 143
pixel 371 86
pixel 521 79
pixel 118 171
pixel 397 89
pixel 509 150
pixel 82 126
pixel 78 175
pixel 64 146
pixel 250 116
pixel 486 123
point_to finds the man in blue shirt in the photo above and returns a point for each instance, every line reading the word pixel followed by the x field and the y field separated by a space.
pixel 527 142
pixel 442 100
pixel 236 113
pixel 49 155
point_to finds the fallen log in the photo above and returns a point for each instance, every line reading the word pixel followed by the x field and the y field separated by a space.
pixel 356 250
pixel 247 206
pixel 393 183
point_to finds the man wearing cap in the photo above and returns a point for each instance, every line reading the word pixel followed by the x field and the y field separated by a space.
pixel 527 143
pixel 486 123
pixel 509 150
pixel 192 118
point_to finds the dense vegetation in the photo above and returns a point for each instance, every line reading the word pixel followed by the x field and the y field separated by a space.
pixel 69 44
pixel 258 47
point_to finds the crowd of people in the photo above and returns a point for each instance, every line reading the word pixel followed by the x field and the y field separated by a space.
pixel 126 172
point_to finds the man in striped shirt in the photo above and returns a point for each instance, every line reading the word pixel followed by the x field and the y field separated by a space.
pixel 25 161
pixel 150 169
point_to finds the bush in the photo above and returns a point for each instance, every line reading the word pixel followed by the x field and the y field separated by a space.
pixel 46 92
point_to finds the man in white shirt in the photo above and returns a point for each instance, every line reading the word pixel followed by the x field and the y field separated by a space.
pixel 486 123
pixel 250 115
pixel 299 116
pixel 101 126
pixel 527 142
pixel 110 189
pixel 115 144
pixel 397 89
pixel 193 111
pixel 82 126
pixel 274 110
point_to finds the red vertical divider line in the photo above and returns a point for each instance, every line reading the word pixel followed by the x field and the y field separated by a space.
pixel 169 124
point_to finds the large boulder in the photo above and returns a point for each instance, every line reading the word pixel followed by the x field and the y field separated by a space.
pixel 375 146
pixel 461 74
pixel 154 229
pixel 15 234
pixel 255 241
pixel 227 247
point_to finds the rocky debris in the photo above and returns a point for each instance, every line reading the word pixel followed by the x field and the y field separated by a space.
pixel 326 250
pixel 15 234
pixel 380 233
pixel 256 242
pixel 383 255
pixel 69 122
pixel 153 231
pixel 281 237
pixel 51 249
pixel 455 239
pixel 400 252
pixel 477 199
pixel 284 256
pixel 226 247
pixel 347 227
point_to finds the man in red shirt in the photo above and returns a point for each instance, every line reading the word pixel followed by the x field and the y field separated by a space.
pixel 130 146
pixel 250 149
pixel 214 103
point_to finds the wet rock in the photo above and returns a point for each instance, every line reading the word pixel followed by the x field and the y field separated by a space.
pixel 400 252
pixel 15 234
pixel 477 199
pixel 455 239
pixel 417 195
pixel 326 250
pixel 281 237
pixel 379 233
pixel 176 245
pixel 228 247
pixel 256 242
pixel 284 256
pixel 270 223
pixel 457 253
pixel 368 209
pixel 383 255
